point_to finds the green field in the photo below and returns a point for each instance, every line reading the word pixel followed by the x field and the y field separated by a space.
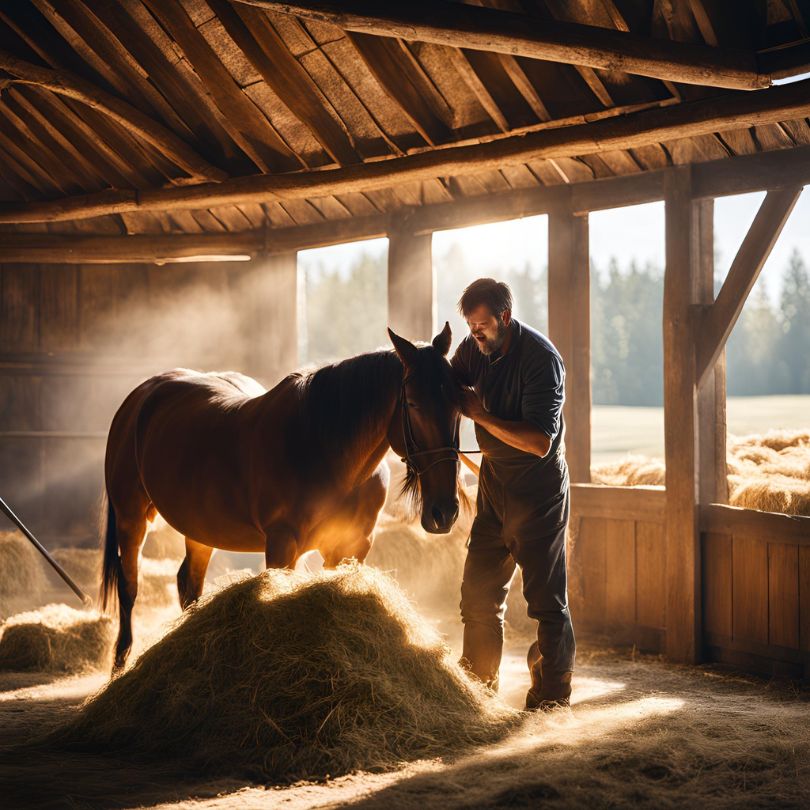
pixel 618 430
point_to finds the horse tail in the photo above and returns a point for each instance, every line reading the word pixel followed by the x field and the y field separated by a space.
pixel 111 566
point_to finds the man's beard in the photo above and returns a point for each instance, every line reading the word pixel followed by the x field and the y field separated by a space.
pixel 492 345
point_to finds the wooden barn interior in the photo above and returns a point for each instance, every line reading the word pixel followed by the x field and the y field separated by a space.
pixel 146 145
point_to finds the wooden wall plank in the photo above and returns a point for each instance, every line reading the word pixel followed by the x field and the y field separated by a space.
pixel 749 567
pixel 804 598
pixel 651 573
pixel 59 308
pixel 589 553
pixel 620 571
pixel 19 318
pixel 783 594
pixel 717 584
pixel 19 402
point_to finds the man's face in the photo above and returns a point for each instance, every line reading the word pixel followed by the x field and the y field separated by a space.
pixel 488 330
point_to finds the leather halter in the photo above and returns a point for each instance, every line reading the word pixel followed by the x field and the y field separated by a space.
pixel 412 451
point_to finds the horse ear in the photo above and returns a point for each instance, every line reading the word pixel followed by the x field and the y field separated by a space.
pixel 405 350
pixel 443 340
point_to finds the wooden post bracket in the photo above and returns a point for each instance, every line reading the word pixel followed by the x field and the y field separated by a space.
pixel 715 322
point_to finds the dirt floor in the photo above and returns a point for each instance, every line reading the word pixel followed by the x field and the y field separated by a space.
pixel 640 732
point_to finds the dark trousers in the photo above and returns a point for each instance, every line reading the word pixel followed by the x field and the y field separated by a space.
pixel 521 522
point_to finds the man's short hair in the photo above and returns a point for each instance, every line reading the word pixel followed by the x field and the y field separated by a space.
pixel 495 294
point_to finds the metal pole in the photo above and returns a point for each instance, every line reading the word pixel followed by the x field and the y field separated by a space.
pixel 42 550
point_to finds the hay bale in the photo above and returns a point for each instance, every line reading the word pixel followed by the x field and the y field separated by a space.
pixel 287 676
pixel 55 638
pixel 82 564
pixel 21 567
pixel 630 471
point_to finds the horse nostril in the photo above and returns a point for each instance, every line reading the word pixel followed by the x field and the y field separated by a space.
pixel 438 516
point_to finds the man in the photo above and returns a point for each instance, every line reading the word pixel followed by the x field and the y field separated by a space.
pixel 516 382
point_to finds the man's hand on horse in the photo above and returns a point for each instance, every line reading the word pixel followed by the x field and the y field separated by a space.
pixel 471 405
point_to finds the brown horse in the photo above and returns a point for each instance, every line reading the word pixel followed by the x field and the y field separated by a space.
pixel 232 466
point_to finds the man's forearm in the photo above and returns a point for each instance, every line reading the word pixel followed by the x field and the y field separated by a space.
pixel 521 435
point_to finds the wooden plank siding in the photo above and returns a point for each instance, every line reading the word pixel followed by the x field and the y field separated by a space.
pixel 76 339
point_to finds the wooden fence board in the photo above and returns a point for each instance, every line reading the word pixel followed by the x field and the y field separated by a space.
pixel 804 597
pixel 590 552
pixel 717 583
pixel 749 567
pixel 783 594
pixel 620 571
pixel 650 574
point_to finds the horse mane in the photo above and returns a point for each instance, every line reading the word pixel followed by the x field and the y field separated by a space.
pixel 340 403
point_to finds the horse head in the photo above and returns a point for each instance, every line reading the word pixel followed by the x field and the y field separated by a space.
pixel 425 429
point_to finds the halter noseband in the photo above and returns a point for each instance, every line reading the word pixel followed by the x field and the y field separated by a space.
pixel 412 450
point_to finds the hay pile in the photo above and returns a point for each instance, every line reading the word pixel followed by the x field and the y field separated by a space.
pixel 21 573
pixel 55 638
pixel 284 677
pixel 769 472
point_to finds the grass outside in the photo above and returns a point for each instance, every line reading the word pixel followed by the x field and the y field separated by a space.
pixel 618 430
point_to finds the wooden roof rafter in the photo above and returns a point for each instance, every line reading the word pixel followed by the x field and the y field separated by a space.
pixel 64 83
pixel 477 27
pixel 689 119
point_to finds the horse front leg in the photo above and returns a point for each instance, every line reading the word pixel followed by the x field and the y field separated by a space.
pixel 280 547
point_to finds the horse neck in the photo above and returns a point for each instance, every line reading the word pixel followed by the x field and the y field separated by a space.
pixel 355 428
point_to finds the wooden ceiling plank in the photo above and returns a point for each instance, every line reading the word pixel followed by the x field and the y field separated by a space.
pixel 67 84
pixel 21 177
pixel 181 94
pixel 93 176
pixel 515 34
pixel 48 149
pixel 38 175
pixel 397 77
pixel 123 71
pixel 255 133
pixel 115 171
pixel 689 119
pixel 524 86
pixel 251 30
pixel 459 60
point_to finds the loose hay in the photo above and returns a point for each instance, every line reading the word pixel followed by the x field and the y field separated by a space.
pixel 769 472
pixel 285 676
pixel 20 567
pixel 55 638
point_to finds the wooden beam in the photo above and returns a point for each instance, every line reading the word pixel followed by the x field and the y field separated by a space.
pixel 680 428
pixel 711 392
pixel 770 526
pixel 704 116
pixel 267 290
pixel 51 248
pixel 411 285
pixel 718 320
pixel 569 329
pixel 133 120
pixel 619 503
pixel 486 29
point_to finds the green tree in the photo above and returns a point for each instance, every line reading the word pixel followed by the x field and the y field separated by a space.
pixel 793 347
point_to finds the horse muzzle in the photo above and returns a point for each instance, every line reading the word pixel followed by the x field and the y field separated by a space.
pixel 440 517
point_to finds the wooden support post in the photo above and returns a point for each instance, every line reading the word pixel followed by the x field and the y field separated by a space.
pixel 269 291
pixel 411 285
pixel 711 391
pixel 569 321
pixel 683 601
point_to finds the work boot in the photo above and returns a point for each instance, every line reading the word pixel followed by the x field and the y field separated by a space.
pixel 546 697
